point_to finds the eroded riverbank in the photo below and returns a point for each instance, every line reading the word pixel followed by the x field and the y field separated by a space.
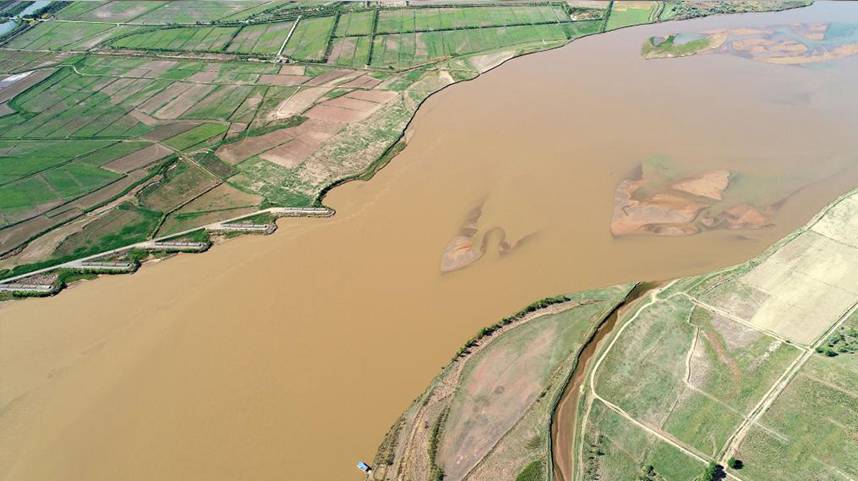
pixel 294 353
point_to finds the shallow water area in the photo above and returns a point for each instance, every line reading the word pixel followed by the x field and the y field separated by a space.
pixel 289 356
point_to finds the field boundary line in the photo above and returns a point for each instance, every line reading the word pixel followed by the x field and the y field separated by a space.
pixel 739 320
pixel 685 450
pixel 288 36
pixel 785 380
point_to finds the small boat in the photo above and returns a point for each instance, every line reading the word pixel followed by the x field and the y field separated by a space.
pixel 364 467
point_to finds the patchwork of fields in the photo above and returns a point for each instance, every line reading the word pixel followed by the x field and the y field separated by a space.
pixel 754 363
pixel 122 121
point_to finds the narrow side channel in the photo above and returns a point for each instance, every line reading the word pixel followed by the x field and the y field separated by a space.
pixel 566 407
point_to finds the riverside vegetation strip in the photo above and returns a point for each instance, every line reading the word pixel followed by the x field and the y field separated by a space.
pixel 153 120
pixel 751 363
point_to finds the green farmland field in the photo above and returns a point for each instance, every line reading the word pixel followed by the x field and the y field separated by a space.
pixel 200 11
pixel 310 38
pixel 408 49
pixel 265 39
pixel 356 23
pixel 810 430
pixel 63 36
pixel 429 19
pixel 198 39
pixel 195 136
pixel 112 11
pixel 632 12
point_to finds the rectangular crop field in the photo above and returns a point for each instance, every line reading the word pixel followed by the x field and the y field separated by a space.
pixel 631 12
pixel 355 23
pixel 450 18
pixel 61 36
pixel 109 12
pixel 183 181
pixel 350 52
pixel 407 49
pixel 190 12
pixel 264 39
pixel 196 136
pixel 203 39
pixel 310 38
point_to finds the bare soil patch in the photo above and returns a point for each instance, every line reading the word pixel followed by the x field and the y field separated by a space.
pixel 282 80
pixel 292 70
pixel 152 69
pixel 207 76
pixel 10 87
pixel 162 98
pixel 223 196
pixel 171 129
pixel 362 82
pixel 185 101
pixel 299 102
pixel 291 154
pixel 13 236
pixel 139 159
pixel 333 77
pixel 377 96
pixel 311 131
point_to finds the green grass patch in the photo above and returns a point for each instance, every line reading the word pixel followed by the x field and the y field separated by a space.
pixel 183 181
pixel 125 224
pixel 196 136
pixel 277 184
pixel 617 449
pixel 535 471
pixel 813 425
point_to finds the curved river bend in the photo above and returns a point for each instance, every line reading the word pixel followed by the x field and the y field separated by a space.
pixel 288 357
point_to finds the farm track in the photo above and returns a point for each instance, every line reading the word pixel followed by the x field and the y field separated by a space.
pixel 653 298
pixel 772 395
pixel 749 420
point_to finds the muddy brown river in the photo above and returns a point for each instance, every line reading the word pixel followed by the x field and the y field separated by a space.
pixel 289 356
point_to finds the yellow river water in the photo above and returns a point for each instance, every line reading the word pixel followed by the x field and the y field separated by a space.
pixel 288 357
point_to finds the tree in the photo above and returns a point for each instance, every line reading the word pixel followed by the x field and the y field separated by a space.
pixel 713 472
pixel 734 463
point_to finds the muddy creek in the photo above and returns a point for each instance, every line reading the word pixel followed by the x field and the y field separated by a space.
pixel 289 356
